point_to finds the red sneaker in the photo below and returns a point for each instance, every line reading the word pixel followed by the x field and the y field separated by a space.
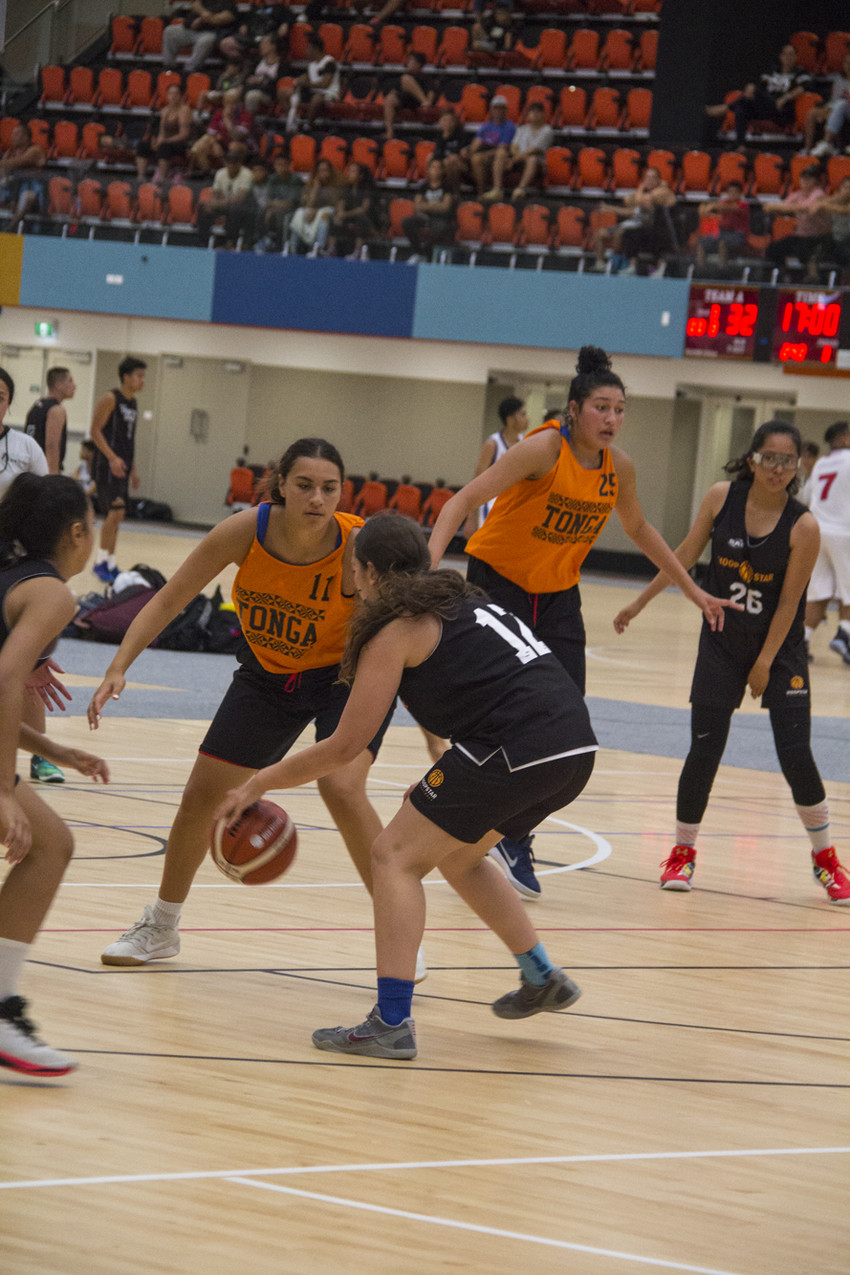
pixel 679 868
pixel 829 872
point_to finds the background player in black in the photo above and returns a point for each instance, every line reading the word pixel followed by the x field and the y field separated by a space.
pixel 113 432
pixel 522 746
pixel 47 419
pixel 763 546
pixel 46 537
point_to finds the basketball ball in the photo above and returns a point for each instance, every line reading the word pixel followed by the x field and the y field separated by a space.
pixel 258 847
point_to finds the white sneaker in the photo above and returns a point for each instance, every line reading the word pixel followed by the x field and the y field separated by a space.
pixel 421 968
pixel 20 1048
pixel 145 941
pixel 822 150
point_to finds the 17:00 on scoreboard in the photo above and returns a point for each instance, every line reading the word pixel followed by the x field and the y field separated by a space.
pixel 786 325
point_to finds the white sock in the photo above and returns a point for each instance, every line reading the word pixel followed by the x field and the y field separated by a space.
pixel 110 561
pixel 808 634
pixel 102 556
pixel 12 957
pixel 167 914
pixel 815 820
pixel 686 834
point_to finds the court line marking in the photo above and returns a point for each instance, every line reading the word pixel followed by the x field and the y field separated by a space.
pixel 501 1162
pixel 496 1232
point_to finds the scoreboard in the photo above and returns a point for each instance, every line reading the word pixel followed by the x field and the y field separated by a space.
pixel 801 326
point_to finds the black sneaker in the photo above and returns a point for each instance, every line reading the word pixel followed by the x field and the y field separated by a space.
pixel 516 860
pixel 840 644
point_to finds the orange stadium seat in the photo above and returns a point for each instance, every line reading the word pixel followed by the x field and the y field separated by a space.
pixel 513 96
pixel 89 199
pixel 53 88
pixel 802 105
pixel 242 486
pixel 584 50
pixel 66 141
pixel 615 7
pixel 836 45
pixel 360 46
pixel 371 498
pixel 551 52
pixel 334 149
pixel 545 96
pixel 438 497
pixel 40 134
pixel 559 169
pixel 470 222
pixel 395 162
pixel 572 107
pixel 473 103
pixel 119 203
pixel 625 169
pixel 332 37
pixel 619 51
pixel 60 195
pixel 163 82
pixel 795 168
pixel 638 108
pixel 181 206
pixel 696 173
pixel 346 498
pixel 606 111
pixel 399 208
pixel 148 204
pixel 364 150
pixel 648 50
pixel 600 218
pixel 8 124
pixel 570 228
pixel 80 87
pixel 422 152
pixel 782 227
pixel 392 45
pixel 110 89
pixel 665 162
pixel 299 33
pixel 768 174
pixel 730 166
pixel 454 47
pixel 150 38
pixel 90 147
pixel 501 227
pixel 138 90
pixel 535 227
pixel 425 39
pixel 407 500
pixel 591 170
pixel 124 37
pixel 302 152
pixel 807 46
pixel 196 84
pixel 837 169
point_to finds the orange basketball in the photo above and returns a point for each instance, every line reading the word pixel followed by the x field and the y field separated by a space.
pixel 258 847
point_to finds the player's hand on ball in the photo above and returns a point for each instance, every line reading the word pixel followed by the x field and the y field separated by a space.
pixel 237 801
pixel 110 688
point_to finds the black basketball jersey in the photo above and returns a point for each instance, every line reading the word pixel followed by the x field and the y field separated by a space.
pixel 751 572
pixel 36 425
pixel 490 684
pixel 25 569
pixel 120 430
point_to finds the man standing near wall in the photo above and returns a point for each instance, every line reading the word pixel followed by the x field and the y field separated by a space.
pixel 47 420
pixel 113 432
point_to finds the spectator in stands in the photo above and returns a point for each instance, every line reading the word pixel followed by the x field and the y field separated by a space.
pixel 232 198
pixel 365 7
pixel 837 246
pixel 731 214
pixel 497 131
pixel 812 232
pixel 268 19
pixel 172 138
pixel 411 91
pixel 638 213
pixel 449 147
pixel 232 78
pixel 353 222
pixel 526 152
pixel 231 125
pixel 310 224
pixel 834 114
pixel 494 32
pixel 433 218
pixel 771 98
pixel 21 183
pixel 261 84
pixel 321 84
pixel 284 194
pixel 47 419
pixel 207 22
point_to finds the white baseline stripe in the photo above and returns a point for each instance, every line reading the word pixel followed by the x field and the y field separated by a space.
pixel 200 1175
pixel 478 1230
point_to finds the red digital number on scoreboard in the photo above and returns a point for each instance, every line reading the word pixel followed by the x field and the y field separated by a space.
pixel 807 324
pixel 721 321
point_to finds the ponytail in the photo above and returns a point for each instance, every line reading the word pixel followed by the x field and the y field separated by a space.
pixel 36 512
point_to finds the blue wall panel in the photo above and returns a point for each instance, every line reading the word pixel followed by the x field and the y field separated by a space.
pixel 374 298
pixel 167 283
pixel 553 310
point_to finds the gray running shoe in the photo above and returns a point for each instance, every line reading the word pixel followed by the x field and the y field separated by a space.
pixel 557 993
pixel 145 941
pixel 840 644
pixel 374 1038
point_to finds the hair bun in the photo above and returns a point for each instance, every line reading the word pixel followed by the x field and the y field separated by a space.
pixel 592 359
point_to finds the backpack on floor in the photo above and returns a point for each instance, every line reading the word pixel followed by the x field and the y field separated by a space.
pixel 110 620
pixel 188 630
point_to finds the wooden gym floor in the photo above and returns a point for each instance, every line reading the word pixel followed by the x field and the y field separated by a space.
pixel 690 1114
